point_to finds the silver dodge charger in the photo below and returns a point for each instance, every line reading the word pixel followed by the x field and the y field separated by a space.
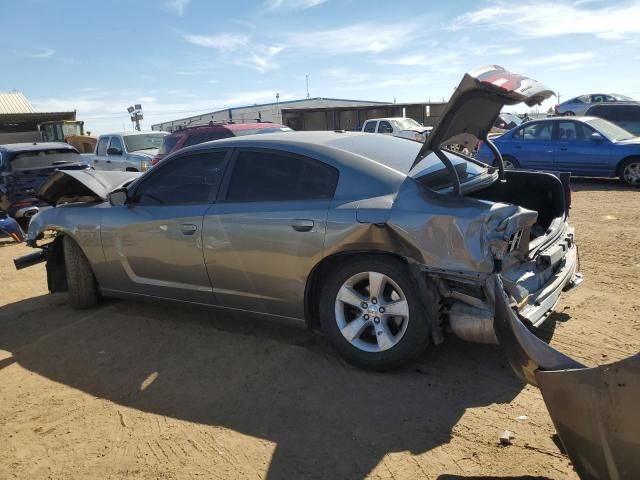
pixel 383 243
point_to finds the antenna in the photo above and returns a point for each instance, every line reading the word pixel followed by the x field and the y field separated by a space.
pixel 307 76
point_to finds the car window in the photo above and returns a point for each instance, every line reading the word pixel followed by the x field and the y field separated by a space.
pixel 102 146
pixel 584 131
pixel 370 127
pixel 604 111
pixel 581 99
pixel 534 131
pixel 568 131
pixel 200 137
pixel 609 98
pixel 116 143
pixel 189 179
pixel 261 176
pixel 629 113
pixel 168 143
pixel 597 98
pixel 384 127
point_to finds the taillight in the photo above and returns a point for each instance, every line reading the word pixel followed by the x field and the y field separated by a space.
pixel 22 204
pixel 144 165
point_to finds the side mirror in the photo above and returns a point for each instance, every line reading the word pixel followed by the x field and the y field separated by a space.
pixel 114 151
pixel 596 137
pixel 118 197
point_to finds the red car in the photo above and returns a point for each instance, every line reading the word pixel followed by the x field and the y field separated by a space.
pixel 206 133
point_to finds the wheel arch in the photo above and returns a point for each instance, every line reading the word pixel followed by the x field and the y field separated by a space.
pixel 320 270
pixel 623 161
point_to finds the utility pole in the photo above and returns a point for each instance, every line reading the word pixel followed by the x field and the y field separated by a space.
pixel 307 76
pixel 278 107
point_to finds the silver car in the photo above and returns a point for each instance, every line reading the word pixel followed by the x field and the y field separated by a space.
pixel 381 242
pixel 580 105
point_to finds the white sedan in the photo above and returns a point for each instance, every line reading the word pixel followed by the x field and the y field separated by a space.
pixel 398 127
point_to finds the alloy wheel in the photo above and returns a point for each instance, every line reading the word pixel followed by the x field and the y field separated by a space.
pixel 371 311
pixel 631 173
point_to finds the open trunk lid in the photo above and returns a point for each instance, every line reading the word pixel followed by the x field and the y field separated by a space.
pixel 476 104
pixel 82 185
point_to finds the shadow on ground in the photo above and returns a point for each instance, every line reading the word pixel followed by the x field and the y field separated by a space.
pixel 261 377
pixel 582 184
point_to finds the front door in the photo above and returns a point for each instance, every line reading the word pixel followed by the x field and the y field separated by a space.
pixel 264 237
pixel 578 153
pixel 100 158
pixel 154 242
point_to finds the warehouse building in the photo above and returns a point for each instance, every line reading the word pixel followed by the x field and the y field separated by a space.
pixel 19 121
pixel 266 112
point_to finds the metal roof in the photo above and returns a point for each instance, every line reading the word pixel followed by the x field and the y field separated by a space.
pixel 14 102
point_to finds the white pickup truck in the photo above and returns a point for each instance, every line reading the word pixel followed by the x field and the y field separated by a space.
pixel 125 151
pixel 398 127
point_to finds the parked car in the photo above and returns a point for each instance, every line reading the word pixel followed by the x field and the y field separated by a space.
pixel 625 115
pixel 370 237
pixel 585 146
pixel 126 151
pixel 23 168
pixel 506 121
pixel 580 105
pixel 398 127
pixel 9 226
pixel 206 133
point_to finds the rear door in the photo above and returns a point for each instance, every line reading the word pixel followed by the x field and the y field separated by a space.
pixel 577 153
pixel 262 239
pixel 154 242
pixel 533 146
pixel 100 159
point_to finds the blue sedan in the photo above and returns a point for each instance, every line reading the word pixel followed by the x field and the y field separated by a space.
pixel 585 146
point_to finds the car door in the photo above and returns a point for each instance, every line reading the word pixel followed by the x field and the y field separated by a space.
pixel 100 158
pixel 532 145
pixel 264 236
pixel 577 152
pixel 115 154
pixel 154 243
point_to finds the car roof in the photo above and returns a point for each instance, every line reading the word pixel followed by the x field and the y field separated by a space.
pixel 35 146
pixel 127 134
pixel 386 118
pixel 232 127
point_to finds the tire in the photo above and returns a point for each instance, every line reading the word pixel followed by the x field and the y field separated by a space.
pixel 82 285
pixel 569 114
pixel 629 172
pixel 509 162
pixel 390 342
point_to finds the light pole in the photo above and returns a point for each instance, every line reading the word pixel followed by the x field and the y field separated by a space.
pixel 136 115
pixel 278 107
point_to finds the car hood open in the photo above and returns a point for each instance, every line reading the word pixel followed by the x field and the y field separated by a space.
pixel 82 185
pixel 476 103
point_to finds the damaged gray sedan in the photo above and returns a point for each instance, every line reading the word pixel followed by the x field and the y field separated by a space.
pixel 382 242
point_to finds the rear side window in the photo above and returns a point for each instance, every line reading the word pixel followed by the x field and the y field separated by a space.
pixel 202 137
pixel 370 127
pixel 168 143
pixel 269 176
pixel 102 146
pixel 191 179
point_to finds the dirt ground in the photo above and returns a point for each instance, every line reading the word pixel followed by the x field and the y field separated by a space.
pixel 145 391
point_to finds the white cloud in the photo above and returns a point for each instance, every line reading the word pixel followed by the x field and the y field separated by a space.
pixel 176 6
pixel 222 41
pixel 561 61
pixel 423 60
pixel 44 53
pixel 533 19
pixel 292 4
pixel 357 38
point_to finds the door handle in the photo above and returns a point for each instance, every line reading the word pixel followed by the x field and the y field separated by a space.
pixel 517 146
pixel 302 225
pixel 188 228
pixel 563 148
pixel 95 161
pixel 108 161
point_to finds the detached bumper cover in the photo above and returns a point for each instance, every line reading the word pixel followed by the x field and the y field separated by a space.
pixel 595 410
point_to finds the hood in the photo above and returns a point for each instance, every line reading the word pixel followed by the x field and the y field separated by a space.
pixel 476 103
pixel 82 185
pixel 631 141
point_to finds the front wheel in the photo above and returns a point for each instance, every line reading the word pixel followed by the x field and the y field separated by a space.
pixel 81 283
pixel 509 163
pixel 569 114
pixel 630 172
pixel 371 311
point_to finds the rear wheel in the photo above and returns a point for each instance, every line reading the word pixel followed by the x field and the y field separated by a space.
pixel 81 283
pixel 630 172
pixel 569 114
pixel 371 312
pixel 509 162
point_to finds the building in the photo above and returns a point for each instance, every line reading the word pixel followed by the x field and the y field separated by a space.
pixel 19 121
pixel 266 112
pixel 352 117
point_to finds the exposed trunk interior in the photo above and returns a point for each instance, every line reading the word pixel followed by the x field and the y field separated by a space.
pixel 541 192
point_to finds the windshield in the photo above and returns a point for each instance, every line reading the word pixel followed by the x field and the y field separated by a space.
pixel 510 120
pixel 622 97
pixel 144 141
pixel 44 159
pixel 406 123
pixel 609 130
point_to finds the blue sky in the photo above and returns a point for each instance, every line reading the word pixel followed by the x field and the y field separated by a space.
pixel 183 57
